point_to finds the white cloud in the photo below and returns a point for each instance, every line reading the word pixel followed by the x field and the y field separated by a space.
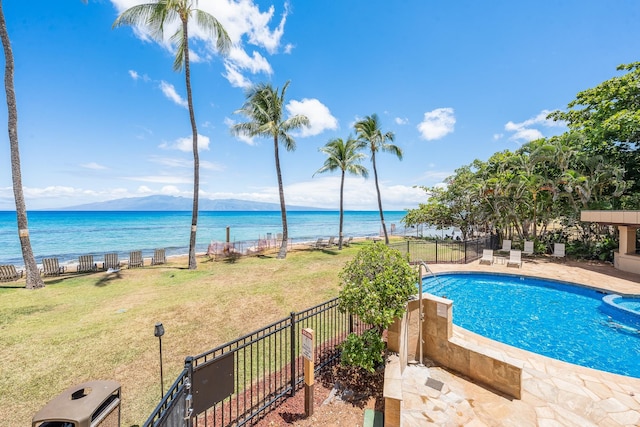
pixel 255 63
pixel 524 131
pixel 93 166
pixel 134 75
pixel 288 48
pixel 170 190
pixel 162 179
pixel 319 116
pixel 437 123
pixel 497 136
pixel 235 77
pixel 186 144
pixel 143 189
pixel 401 121
pixel 170 92
pixel 324 192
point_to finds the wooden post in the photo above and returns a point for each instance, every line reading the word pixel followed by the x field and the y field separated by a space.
pixel 307 353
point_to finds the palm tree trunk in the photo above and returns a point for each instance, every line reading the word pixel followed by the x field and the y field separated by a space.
pixel 375 175
pixel 33 279
pixel 282 253
pixel 193 265
pixel 341 210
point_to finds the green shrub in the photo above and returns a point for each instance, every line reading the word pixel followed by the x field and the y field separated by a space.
pixel 376 286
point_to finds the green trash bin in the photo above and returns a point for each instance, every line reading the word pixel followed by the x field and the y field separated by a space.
pixel 90 404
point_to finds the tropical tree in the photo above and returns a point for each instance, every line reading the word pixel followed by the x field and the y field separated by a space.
pixel 33 279
pixel 368 132
pixel 264 107
pixel 155 16
pixel 608 117
pixel 344 156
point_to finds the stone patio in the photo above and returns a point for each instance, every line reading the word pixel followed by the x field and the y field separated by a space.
pixel 554 393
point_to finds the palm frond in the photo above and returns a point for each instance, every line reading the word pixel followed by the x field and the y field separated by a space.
pixel 210 24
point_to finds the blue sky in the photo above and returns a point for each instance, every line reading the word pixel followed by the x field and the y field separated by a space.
pixel 102 114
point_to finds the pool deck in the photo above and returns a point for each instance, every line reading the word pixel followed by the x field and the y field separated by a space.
pixel 554 393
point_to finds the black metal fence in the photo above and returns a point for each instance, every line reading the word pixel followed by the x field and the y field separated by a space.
pixel 252 375
pixel 443 251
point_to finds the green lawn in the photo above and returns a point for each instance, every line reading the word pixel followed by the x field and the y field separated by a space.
pixel 98 326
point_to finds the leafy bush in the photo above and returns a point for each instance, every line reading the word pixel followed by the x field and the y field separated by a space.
pixel 364 351
pixel 376 286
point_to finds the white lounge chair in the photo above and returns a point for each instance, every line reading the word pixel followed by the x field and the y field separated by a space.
pixel 487 256
pixel 515 258
pixel 558 250
pixel 506 245
pixel 528 247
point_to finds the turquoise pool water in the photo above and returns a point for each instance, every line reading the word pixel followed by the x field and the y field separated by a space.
pixel 555 319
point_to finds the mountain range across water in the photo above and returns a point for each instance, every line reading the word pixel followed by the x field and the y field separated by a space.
pixel 174 203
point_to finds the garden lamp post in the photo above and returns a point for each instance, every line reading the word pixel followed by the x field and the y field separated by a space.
pixel 159 332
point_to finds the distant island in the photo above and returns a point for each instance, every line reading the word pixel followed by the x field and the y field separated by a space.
pixel 173 203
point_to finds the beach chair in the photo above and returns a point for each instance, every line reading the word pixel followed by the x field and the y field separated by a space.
pixel 515 258
pixel 558 250
pixel 8 273
pixel 51 267
pixel 528 247
pixel 320 243
pixel 348 241
pixel 86 264
pixel 135 259
pixel 506 246
pixel 331 242
pixel 111 261
pixel 158 257
pixel 487 256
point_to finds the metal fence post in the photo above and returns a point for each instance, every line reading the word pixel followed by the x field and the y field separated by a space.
pixel 293 353
pixel 188 401
pixel 465 252
pixel 436 251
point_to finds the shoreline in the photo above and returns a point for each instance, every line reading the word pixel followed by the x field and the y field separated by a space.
pixel 71 265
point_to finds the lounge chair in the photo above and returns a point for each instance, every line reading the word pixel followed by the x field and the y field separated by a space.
pixel 8 273
pixel 558 250
pixel 158 257
pixel 528 247
pixel 515 258
pixel 51 267
pixel 111 261
pixel 506 245
pixel 86 264
pixel 331 242
pixel 320 243
pixel 487 256
pixel 348 241
pixel 135 259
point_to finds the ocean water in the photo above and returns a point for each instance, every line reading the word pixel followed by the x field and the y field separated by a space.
pixel 68 234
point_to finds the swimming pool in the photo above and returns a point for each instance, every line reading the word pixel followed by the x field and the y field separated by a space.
pixel 555 319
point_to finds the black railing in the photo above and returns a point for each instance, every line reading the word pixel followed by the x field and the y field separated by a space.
pixel 267 368
pixel 443 251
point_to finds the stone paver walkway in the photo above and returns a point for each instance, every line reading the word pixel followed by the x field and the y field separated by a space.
pixel 555 393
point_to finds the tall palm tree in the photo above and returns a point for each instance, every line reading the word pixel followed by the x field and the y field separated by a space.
pixel 33 279
pixel 264 107
pixel 154 16
pixel 368 131
pixel 346 157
